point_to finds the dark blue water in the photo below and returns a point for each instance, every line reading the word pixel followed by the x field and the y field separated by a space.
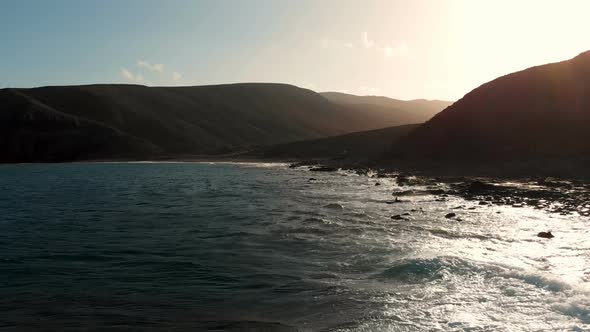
pixel 134 243
pixel 232 247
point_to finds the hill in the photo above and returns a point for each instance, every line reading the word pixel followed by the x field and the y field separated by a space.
pixel 31 131
pixel 541 113
pixel 407 111
pixel 108 121
pixel 357 147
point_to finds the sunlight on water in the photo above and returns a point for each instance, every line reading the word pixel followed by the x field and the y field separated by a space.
pixel 204 244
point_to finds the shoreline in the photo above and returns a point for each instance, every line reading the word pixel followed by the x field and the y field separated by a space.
pixel 440 170
pixel 564 195
pixel 555 195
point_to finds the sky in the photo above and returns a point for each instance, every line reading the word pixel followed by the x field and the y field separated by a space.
pixel 404 49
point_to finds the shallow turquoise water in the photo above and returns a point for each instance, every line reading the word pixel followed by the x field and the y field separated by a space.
pixel 259 246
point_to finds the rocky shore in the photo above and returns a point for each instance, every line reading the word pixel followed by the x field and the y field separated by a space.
pixel 562 196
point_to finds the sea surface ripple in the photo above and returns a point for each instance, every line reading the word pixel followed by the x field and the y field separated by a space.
pixel 233 247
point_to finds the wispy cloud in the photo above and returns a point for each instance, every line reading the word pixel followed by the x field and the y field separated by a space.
pixel 366 41
pixel 131 77
pixel 387 50
pixel 155 73
pixel 176 76
pixel 156 67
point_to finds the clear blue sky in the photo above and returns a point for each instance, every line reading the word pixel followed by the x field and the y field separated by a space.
pixel 399 48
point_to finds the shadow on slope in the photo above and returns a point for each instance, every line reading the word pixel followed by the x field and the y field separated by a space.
pixel 33 132
pixel 540 112
pixel 354 147
pixel 174 120
pixel 407 111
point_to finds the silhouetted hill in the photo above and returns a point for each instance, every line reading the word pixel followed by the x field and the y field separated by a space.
pixel 541 113
pixel 359 146
pixel 407 111
pixel 31 131
pixel 132 120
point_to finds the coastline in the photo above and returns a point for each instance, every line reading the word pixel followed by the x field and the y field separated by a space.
pixel 559 194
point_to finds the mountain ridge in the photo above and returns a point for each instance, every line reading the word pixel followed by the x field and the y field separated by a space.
pixel 207 119
pixel 541 112
pixel 411 111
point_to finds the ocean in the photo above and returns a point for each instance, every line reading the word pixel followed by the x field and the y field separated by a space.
pixel 262 247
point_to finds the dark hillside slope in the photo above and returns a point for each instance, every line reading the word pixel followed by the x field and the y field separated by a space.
pixel 407 111
pixel 357 147
pixel 198 120
pixel 540 113
pixel 33 132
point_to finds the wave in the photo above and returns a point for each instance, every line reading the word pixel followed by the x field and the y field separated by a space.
pixel 440 232
pixel 334 206
pixel 577 306
pixel 249 164
pixel 419 270
pixel 536 279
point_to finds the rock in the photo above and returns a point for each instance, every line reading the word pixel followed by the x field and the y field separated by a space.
pixel 300 164
pixel 450 215
pixel 324 169
pixel 483 203
pixel 334 206
pixel 546 235
pixel 436 191
pixel 517 205
pixel 479 187
pixel 554 184
pixel 397 217
pixel 312 179
pixel 402 180
pixel 362 171
pixel 377 184
pixel 406 214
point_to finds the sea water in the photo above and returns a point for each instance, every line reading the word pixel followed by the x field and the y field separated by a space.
pixel 262 247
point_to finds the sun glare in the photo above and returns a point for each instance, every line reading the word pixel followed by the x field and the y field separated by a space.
pixel 499 37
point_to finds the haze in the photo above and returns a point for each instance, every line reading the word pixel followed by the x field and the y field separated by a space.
pixel 402 49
